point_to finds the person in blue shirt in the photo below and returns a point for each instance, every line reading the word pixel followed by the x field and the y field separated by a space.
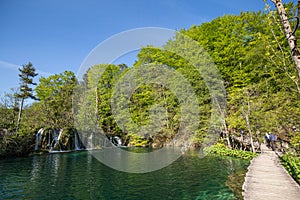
pixel 273 141
pixel 267 139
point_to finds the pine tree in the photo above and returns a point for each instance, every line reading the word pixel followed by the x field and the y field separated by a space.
pixel 27 73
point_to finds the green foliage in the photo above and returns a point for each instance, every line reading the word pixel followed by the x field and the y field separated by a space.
pixel 9 107
pixel 27 73
pixel 93 101
pixel 254 59
pixel 221 149
pixel 54 110
pixel 249 51
pixel 15 145
pixel 105 88
pixel 295 140
pixel 292 165
pixel 7 118
pixel 137 141
pixel 55 95
pixel 171 58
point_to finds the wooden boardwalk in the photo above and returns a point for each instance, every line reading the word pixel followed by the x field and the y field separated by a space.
pixel 267 179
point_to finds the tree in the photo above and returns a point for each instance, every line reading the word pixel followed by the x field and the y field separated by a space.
pixel 55 95
pixel 277 52
pixel 290 34
pixel 9 106
pixel 250 51
pixel 27 73
pixel 104 91
pixel 246 113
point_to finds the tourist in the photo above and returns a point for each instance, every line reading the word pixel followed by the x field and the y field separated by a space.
pixel 242 134
pixel 267 140
pixel 273 141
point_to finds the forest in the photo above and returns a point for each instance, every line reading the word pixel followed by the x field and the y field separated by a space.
pixel 253 58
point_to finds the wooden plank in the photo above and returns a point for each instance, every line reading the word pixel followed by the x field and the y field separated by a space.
pixel 267 179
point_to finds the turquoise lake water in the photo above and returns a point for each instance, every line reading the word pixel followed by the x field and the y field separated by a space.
pixel 79 175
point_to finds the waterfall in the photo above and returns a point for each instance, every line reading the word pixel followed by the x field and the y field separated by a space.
pixel 104 141
pixel 77 146
pixel 56 137
pixel 90 141
pixel 59 135
pixel 38 138
pixel 119 142
pixel 116 141
pixel 49 138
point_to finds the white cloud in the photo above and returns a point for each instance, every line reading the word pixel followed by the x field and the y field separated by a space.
pixel 15 67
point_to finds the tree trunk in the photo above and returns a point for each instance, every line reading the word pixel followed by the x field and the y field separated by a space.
pixel 97 105
pixel 289 33
pixel 224 125
pixel 246 115
pixel 20 114
pixel 227 135
pixel 298 8
pixel 250 132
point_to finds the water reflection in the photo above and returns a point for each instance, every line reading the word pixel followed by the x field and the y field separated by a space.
pixel 35 169
pixel 80 176
pixel 53 161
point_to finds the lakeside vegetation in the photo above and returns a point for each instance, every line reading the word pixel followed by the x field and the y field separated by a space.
pixel 251 54
pixel 292 165
pixel 221 149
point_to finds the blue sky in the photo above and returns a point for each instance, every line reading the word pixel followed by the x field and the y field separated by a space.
pixel 57 35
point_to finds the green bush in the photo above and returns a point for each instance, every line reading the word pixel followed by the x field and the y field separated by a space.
pixel 221 149
pixel 16 145
pixel 292 165
pixel 137 141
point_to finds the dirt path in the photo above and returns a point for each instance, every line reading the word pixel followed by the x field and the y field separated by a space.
pixel 267 179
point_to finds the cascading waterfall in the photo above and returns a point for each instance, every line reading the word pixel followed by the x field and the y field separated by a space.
pixel 59 135
pixel 38 137
pixel 77 146
pixel 117 141
pixel 49 138
pixel 55 141
pixel 90 141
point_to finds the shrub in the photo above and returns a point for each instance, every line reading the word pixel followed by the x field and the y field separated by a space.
pixel 292 165
pixel 221 149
